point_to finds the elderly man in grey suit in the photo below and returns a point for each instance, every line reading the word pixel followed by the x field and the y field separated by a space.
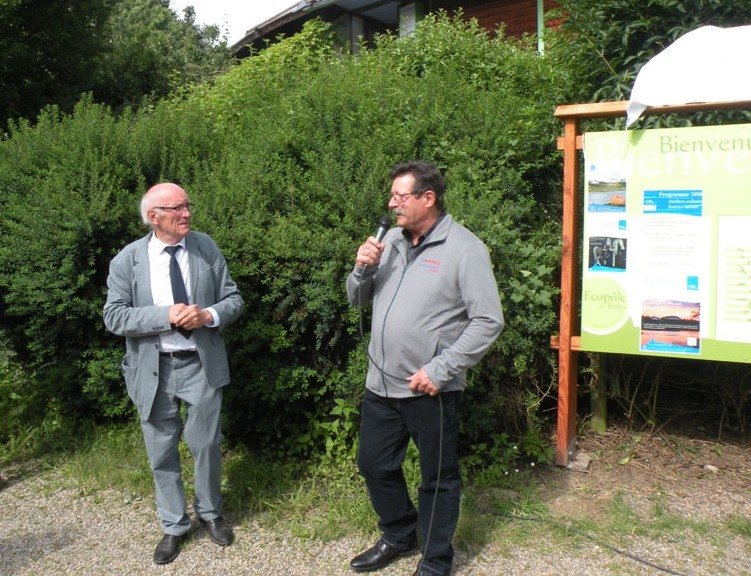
pixel 170 295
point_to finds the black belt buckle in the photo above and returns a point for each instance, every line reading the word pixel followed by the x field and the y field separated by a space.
pixel 179 354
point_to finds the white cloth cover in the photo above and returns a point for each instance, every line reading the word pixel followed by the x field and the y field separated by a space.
pixel 709 64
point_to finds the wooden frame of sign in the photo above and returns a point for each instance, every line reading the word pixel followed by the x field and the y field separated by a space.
pixel 568 341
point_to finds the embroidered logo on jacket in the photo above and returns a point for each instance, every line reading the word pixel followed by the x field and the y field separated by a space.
pixel 431 264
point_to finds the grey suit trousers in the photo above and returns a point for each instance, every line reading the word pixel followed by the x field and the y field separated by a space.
pixel 184 381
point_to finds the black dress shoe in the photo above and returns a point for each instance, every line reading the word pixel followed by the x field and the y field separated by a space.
pixel 425 572
pixel 167 549
pixel 379 556
pixel 219 531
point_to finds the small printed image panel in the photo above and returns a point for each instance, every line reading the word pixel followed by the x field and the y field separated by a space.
pixel 670 326
pixel 607 254
pixel 606 195
pixel 679 202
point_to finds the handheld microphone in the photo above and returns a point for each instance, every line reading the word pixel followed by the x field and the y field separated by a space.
pixel 383 227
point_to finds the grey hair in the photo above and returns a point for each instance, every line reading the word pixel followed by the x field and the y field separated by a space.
pixel 147 202
pixel 146 205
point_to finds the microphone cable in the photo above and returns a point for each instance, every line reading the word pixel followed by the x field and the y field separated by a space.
pixel 569 528
pixel 383 374
pixel 380 369
pixel 440 458
pixel 380 234
pixel 440 466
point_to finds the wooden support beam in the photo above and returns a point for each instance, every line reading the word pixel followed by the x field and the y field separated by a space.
pixel 561 142
pixel 568 341
pixel 567 357
pixel 618 108
pixel 576 342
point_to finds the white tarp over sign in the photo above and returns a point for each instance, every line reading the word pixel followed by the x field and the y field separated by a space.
pixel 709 64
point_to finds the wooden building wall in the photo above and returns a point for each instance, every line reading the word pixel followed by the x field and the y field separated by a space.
pixel 519 16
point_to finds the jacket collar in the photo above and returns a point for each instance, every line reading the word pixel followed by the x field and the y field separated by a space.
pixel 436 236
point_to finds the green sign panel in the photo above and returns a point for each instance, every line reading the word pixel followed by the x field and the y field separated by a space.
pixel 666 266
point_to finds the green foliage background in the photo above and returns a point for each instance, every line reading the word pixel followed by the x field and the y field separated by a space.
pixel 286 158
pixel 610 40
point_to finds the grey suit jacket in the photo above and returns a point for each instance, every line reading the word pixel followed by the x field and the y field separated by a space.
pixel 130 311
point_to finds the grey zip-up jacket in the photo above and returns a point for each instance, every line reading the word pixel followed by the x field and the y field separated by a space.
pixel 437 309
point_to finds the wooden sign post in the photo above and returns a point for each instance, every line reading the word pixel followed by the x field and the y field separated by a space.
pixel 568 341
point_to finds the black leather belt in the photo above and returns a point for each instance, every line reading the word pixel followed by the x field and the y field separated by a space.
pixel 179 354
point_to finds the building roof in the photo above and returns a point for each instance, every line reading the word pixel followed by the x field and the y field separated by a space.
pixel 383 12
pixel 517 16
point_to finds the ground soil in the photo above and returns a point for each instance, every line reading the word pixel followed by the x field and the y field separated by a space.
pixel 52 528
pixel 683 472
pixel 713 477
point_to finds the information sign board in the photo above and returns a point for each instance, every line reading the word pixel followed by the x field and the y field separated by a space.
pixel 666 247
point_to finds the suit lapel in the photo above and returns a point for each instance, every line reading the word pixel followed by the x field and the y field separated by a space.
pixel 194 261
pixel 142 272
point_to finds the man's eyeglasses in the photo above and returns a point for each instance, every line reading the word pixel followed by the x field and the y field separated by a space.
pixel 402 198
pixel 176 209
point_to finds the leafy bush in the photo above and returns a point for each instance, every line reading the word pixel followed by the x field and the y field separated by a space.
pixel 286 158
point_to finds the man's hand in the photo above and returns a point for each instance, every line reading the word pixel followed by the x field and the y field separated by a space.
pixel 189 317
pixel 420 382
pixel 369 253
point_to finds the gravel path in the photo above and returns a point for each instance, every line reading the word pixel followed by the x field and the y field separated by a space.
pixel 51 528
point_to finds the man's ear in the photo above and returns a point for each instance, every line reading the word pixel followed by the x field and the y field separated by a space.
pixel 429 196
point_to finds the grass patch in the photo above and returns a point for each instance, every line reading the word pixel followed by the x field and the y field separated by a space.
pixel 331 500
pixel 662 521
pixel 739 525
pixel 312 501
pixel 111 457
pixel 252 484
pixel 622 521
pixel 495 508
pixel 329 505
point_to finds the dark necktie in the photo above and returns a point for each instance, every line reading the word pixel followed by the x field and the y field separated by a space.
pixel 179 294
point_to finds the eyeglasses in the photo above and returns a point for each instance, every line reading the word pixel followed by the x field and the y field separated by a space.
pixel 187 207
pixel 402 198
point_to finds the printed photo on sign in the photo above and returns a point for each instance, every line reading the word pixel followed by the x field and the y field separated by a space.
pixel 607 195
pixel 670 326
pixel 607 254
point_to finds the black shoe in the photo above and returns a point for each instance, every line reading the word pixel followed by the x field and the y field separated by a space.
pixel 425 572
pixel 219 531
pixel 379 556
pixel 167 549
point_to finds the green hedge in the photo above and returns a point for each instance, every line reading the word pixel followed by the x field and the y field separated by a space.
pixel 286 159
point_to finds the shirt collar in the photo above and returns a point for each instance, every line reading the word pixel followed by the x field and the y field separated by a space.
pixel 408 235
pixel 159 245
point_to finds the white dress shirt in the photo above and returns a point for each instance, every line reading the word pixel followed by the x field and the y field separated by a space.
pixel 161 291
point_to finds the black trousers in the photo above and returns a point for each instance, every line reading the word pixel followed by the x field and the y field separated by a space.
pixel 386 428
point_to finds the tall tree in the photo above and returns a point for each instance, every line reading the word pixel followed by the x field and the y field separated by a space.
pixel 152 51
pixel 613 39
pixel 48 52
pixel 120 50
